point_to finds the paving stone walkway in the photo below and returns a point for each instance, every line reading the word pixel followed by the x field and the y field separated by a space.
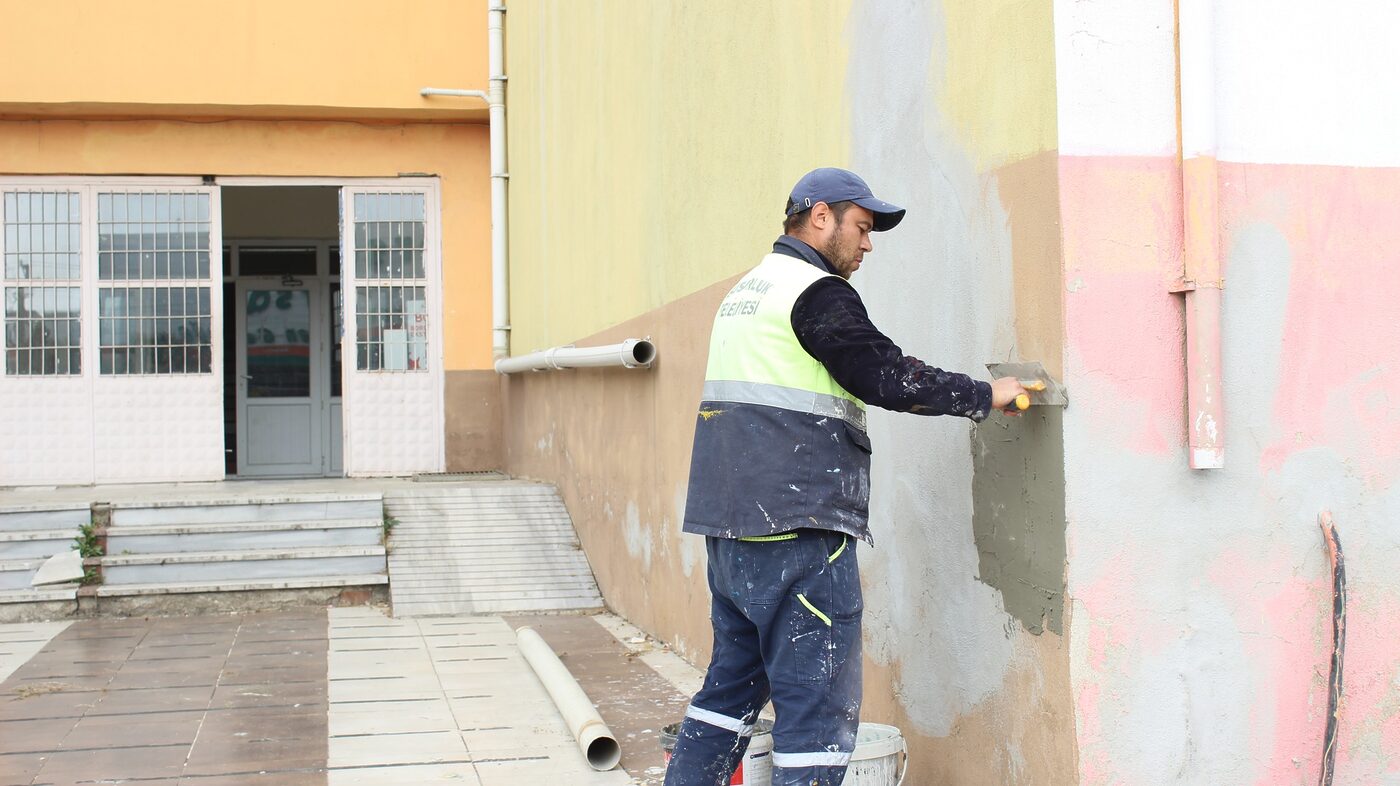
pixel 322 696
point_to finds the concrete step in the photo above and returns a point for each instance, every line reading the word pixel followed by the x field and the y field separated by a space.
pixel 22 518
pixel 245 565
pixel 36 543
pixel 241 510
pixel 17 573
pixel 169 538
pixel 241 585
pixel 55 592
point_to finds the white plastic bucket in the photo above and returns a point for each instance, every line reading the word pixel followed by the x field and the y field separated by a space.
pixel 880 758
pixel 755 769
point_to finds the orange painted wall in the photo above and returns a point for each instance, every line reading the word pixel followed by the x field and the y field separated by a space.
pixel 457 153
pixel 323 57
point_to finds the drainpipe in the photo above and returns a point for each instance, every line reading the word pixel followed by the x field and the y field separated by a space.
pixel 496 101
pixel 1201 282
pixel 632 353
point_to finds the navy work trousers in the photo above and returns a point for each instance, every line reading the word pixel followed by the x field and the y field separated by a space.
pixel 786 618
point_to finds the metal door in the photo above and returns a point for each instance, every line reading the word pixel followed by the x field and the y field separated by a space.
pixel 281 387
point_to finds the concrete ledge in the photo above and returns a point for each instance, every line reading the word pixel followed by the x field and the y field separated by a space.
pixel 225 602
pixel 133 530
pixel 180 557
pixel 183 588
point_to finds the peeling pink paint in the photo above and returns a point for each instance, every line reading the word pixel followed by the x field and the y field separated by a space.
pixel 1122 239
pixel 1339 375
pixel 1282 618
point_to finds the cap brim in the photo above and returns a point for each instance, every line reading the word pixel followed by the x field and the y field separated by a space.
pixel 887 216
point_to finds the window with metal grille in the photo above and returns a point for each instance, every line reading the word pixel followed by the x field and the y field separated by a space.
pixel 154 317
pixel 42 271
pixel 391 306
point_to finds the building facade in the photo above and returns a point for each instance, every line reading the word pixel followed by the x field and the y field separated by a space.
pixel 178 200
pixel 1189 234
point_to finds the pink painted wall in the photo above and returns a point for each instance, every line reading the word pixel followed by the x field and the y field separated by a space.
pixel 1201 600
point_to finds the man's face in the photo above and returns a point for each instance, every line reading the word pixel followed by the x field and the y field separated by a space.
pixel 848 243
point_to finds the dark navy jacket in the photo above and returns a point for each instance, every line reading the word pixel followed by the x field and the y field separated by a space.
pixel 755 479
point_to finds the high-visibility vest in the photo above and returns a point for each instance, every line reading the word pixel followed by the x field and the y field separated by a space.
pixel 779 444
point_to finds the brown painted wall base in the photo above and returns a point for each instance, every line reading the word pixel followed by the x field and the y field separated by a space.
pixel 473 414
pixel 617 444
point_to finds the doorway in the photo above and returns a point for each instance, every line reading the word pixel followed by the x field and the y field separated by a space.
pixel 282 359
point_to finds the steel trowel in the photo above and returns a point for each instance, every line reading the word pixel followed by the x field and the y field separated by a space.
pixel 1043 389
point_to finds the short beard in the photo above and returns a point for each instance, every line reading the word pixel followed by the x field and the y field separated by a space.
pixel 830 250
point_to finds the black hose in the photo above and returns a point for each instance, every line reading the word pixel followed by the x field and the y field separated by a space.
pixel 1339 642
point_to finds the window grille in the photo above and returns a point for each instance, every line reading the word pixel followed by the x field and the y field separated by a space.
pixel 154 317
pixel 391 307
pixel 43 272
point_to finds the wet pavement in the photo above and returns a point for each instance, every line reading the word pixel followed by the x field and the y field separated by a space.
pixel 322 696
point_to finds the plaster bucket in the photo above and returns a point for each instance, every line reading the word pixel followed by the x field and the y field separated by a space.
pixel 880 758
pixel 755 769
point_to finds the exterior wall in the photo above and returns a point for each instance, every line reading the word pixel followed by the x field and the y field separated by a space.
pixel 645 179
pixel 1201 600
pixel 314 58
pixel 458 153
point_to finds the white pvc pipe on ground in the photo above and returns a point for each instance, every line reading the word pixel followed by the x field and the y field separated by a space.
pixel 632 353
pixel 596 741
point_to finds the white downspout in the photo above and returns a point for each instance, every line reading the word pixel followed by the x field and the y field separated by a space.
pixel 500 262
pixel 496 101
pixel 1201 282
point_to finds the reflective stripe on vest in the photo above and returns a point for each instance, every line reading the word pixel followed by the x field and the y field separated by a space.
pixel 785 398
pixel 756 358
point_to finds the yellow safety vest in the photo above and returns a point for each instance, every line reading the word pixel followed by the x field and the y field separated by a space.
pixel 779 444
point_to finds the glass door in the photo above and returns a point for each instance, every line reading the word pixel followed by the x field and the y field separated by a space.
pixel 280 390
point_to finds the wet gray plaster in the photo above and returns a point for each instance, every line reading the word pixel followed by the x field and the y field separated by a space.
pixel 1018 514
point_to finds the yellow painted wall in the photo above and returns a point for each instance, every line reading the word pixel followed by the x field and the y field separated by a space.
pixel 997 83
pixel 364 55
pixel 647 142
pixel 457 153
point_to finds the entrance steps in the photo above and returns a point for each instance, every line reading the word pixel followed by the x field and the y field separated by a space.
pixel 485 548
pixel 30 534
pixel 222 544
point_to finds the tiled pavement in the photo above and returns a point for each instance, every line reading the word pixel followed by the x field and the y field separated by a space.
pixel 339 696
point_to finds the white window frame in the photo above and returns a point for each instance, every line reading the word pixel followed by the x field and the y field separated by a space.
pixel 96 448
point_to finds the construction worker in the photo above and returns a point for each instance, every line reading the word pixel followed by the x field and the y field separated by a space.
pixel 780 485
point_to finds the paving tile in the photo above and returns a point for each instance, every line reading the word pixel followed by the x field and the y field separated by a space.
pixel 547 770
pixel 349 724
pixel 236 696
pixel 20 768
pixel 114 764
pixel 414 748
pixel 105 731
pixel 457 774
pixel 62 704
pixel 295 777
pixel 34 735
pixel 119 702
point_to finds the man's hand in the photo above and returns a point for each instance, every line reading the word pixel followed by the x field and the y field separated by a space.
pixel 1004 393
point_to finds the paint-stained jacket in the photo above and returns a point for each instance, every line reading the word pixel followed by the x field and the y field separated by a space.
pixel 780 440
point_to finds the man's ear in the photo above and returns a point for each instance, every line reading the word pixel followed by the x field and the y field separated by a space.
pixel 821 216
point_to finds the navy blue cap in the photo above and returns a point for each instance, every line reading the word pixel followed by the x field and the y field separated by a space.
pixel 831 185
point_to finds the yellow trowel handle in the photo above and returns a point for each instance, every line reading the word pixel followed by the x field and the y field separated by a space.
pixel 1023 401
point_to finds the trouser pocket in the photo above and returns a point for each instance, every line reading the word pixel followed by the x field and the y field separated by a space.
pixel 825 611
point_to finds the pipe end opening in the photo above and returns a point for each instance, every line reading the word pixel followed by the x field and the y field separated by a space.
pixel 604 753
pixel 643 353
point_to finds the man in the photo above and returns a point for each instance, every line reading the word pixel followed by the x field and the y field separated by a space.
pixel 780 484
